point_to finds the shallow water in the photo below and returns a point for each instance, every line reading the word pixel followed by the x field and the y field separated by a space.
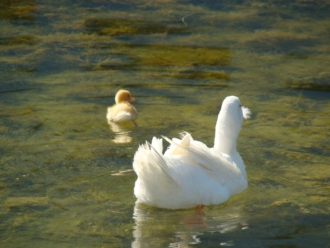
pixel 66 176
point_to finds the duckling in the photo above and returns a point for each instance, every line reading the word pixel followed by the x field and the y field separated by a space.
pixel 122 111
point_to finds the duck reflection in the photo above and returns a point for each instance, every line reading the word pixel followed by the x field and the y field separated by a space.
pixel 122 132
pixel 180 228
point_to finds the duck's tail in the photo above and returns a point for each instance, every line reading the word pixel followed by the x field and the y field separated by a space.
pixel 149 163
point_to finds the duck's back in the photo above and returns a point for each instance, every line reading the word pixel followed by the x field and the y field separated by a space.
pixel 197 177
pixel 191 186
pixel 121 112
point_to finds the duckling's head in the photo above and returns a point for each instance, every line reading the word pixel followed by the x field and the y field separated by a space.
pixel 124 96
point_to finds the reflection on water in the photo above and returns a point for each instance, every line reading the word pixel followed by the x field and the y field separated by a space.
pixel 187 227
pixel 122 132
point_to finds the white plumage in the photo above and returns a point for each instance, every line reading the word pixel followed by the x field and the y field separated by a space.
pixel 189 173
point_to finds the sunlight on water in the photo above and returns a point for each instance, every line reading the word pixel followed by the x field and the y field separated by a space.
pixel 66 174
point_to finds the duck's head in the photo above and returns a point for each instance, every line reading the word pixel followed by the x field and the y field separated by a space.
pixel 232 112
pixel 229 123
pixel 124 96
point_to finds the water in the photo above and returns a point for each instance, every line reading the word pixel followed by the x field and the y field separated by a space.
pixel 66 177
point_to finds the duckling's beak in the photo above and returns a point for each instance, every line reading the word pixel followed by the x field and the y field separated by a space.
pixel 132 99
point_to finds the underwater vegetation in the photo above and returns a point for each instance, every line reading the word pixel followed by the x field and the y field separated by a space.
pixel 117 27
pixel 17 40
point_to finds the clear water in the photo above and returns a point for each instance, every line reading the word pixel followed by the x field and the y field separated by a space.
pixel 66 177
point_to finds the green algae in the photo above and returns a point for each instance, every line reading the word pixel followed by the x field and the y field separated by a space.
pixel 308 86
pixel 161 55
pixel 17 40
pixel 203 75
pixel 115 27
pixel 18 10
pixel 171 56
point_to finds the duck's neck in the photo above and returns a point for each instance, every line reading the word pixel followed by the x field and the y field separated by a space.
pixel 226 135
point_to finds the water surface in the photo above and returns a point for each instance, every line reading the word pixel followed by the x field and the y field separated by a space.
pixel 66 176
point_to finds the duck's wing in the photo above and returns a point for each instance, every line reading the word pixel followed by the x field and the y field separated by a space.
pixel 121 116
pixel 184 142
pixel 217 166
pixel 149 162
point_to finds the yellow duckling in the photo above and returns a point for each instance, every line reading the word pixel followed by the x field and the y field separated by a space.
pixel 122 111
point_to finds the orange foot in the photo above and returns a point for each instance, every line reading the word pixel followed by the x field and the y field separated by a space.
pixel 196 220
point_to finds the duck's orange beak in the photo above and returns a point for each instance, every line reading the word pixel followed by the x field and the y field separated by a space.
pixel 132 99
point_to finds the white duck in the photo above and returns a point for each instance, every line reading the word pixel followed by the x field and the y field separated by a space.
pixel 190 174
pixel 122 111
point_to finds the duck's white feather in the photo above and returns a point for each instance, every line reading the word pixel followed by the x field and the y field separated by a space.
pixel 246 112
pixel 189 173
